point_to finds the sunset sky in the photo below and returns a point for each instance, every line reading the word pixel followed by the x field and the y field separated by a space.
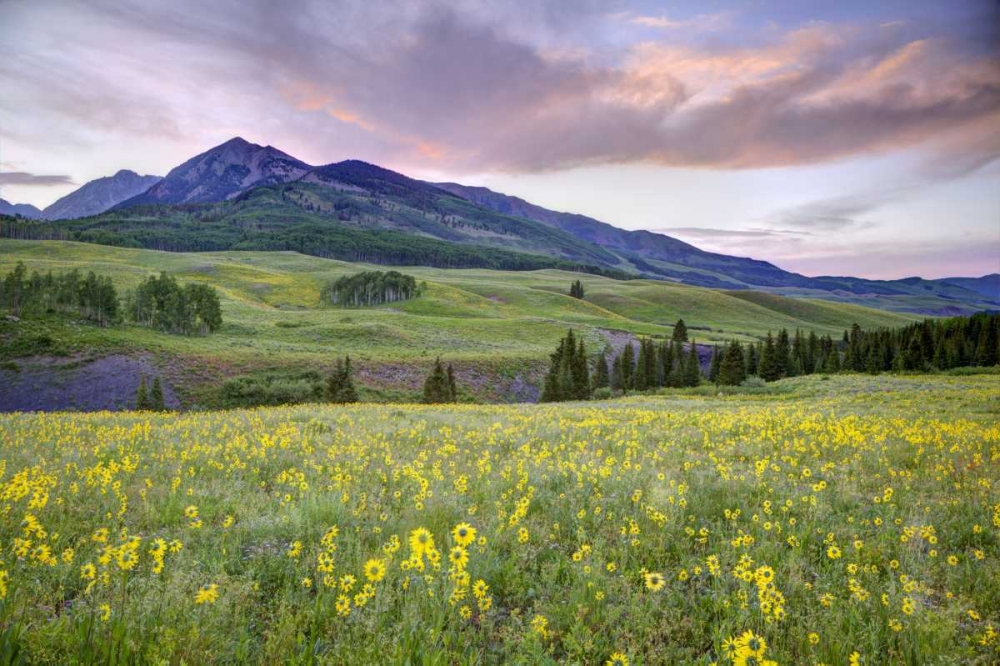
pixel 843 138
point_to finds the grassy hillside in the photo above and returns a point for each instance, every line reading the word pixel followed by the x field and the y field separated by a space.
pixel 494 322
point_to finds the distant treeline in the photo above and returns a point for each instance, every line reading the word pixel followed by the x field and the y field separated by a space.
pixel 204 228
pixel 159 302
pixel 933 344
pixel 370 288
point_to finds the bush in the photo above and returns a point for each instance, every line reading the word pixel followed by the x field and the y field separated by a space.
pixel 602 393
pixel 271 390
pixel 753 382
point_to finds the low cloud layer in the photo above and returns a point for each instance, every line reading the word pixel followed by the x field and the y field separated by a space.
pixel 34 180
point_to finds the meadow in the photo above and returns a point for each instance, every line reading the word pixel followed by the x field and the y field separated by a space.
pixel 815 521
pixel 495 324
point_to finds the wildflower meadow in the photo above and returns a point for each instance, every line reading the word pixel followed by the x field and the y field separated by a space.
pixel 849 521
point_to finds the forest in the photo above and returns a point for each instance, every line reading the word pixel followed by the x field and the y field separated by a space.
pixel 159 302
pixel 370 288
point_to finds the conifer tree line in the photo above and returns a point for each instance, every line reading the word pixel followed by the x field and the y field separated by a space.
pixel 370 288
pixel 439 387
pixel 933 344
pixel 669 363
pixel 159 302
pixel 576 289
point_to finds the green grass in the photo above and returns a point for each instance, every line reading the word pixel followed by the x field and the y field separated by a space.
pixel 574 503
pixel 274 321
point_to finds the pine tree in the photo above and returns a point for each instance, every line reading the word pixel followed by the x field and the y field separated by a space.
pixel 436 387
pixel 641 381
pixel 141 396
pixel 767 367
pixel 156 402
pixel 618 376
pixel 716 366
pixel 601 377
pixel 732 371
pixel 576 289
pixel 452 386
pixel 783 354
pixel 986 347
pixel 340 385
pixel 692 369
pixel 628 366
pixel 753 359
pixel 680 332
pixel 569 376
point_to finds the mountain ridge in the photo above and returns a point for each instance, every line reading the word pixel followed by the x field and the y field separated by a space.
pixel 240 195
pixel 23 210
pixel 99 195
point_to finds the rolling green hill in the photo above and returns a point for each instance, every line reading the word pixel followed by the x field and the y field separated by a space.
pixel 498 326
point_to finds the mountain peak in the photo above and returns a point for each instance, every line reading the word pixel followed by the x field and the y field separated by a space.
pixel 224 172
pixel 100 195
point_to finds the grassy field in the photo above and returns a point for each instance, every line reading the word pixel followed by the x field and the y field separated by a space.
pixel 500 322
pixel 853 518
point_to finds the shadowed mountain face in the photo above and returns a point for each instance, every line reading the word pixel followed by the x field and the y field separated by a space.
pixel 24 210
pixel 99 195
pixel 223 173
pixel 243 196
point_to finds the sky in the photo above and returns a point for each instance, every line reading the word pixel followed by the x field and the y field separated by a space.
pixel 830 138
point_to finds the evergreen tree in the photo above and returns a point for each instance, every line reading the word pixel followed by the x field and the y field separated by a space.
pixel 628 366
pixel 680 332
pixel 732 371
pixel 782 354
pixel 437 388
pixel 452 385
pixel 340 385
pixel 767 367
pixel 581 372
pixel 601 376
pixel 753 360
pixel 569 376
pixel 988 343
pixel 692 369
pixel 141 396
pixel 641 381
pixel 576 289
pixel 716 366
pixel 156 402
pixel 618 376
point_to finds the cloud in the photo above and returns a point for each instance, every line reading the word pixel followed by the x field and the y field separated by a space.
pixel 34 180
pixel 713 233
pixel 475 87
pixel 699 23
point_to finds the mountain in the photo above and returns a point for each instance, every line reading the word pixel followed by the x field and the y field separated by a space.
pixel 661 255
pixel 99 195
pixel 987 285
pixel 223 173
pixel 648 251
pixel 24 210
pixel 241 196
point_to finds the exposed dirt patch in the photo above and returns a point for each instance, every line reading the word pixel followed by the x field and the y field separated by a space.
pixel 482 382
pixel 81 383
